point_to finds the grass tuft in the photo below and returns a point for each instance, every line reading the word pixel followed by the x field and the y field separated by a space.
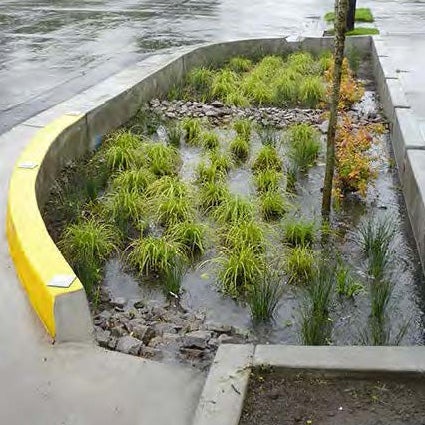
pixel 193 129
pixel 86 245
pixel 190 236
pixel 300 265
pixel 239 64
pixel 273 205
pixel 267 159
pixel 299 232
pixel 233 209
pixel 212 194
pixel 304 145
pixel 239 269
pixel 243 128
pixel 210 140
pixel 268 180
pixel 174 134
pixel 239 147
pixel 151 254
pixel 264 295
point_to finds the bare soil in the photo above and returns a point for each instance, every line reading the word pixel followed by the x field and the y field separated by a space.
pixel 318 399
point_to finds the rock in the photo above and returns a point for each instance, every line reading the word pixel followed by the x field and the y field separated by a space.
pixel 169 338
pixel 192 353
pixel 129 345
pixel 217 104
pixel 112 343
pixel 154 342
pixel 196 339
pixel 102 337
pixel 161 328
pixel 118 331
pixel 227 339
pixel 143 332
pixel 211 113
pixel 218 327
pixel 102 318
pixel 150 353
pixel 119 302
pixel 139 304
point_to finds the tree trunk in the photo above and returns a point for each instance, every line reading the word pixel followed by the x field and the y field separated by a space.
pixel 351 15
pixel 340 29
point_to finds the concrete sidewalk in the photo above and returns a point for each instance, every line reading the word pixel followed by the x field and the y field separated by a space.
pixel 43 384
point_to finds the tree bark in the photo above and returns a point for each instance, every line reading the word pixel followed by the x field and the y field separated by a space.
pixel 351 15
pixel 340 29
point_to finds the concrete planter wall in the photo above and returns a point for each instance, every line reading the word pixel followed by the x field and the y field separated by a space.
pixel 113 102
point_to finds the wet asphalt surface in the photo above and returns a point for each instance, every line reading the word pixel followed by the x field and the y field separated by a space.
pixel 52 49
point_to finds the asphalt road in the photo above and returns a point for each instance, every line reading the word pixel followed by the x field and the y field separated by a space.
pixel 52 49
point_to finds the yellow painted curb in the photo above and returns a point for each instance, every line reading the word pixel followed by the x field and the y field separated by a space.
pixel 38 261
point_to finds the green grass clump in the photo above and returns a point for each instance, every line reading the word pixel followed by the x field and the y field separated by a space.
pixel 258 89
pixel 243 128
pixel 375 238
pixel 312 91
pixel 363 14
pixel 172 278
pixel 233 209
pixel 301 63
pixel 300 265
pixel 124 207
pixel 239 64
pixel 167 187
pixel 299 232
pixel 239 269
pixel 225 82
pixel 122 150
pixel 136 180
pixel 286 90
pixel 210 140
pixel 264 295
pixel 86 245
pixel 193 129
pixel 212 194
pixel 170 211
pixel 268 180
pixel 190 236
pixel 244 233
pixel 239 147
pixel 346 285
pixel 267 159
pixel 162 159
pixel 273 205
pixel 237 98
pixel 209 173
pixel 200 79
pixel 304 145
pixel 316 326
pixel 363 31
pixel 174 134
pixel 221 161
pixel 151 254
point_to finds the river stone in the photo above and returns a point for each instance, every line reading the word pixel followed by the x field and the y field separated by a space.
pixel 102 337
pixel 128 345
pixel 118 302
pixel 227 339
pixel 143 332
pixel 196 339
pixel 118 331
pixel 218 327
pixel 161 328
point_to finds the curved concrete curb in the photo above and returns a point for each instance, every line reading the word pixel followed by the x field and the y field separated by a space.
pixel 39 264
